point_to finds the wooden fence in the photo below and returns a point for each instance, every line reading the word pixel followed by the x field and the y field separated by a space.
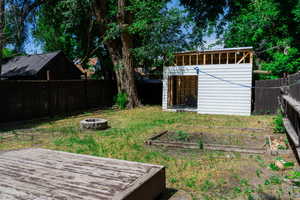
pixel 23 100
pixel 267 92
pixel 266 95
pixel 283 94
pixel 290 106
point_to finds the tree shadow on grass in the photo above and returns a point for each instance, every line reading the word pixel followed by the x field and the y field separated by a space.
pixel 167 194
pixel 28 124
pixel 265 196
pixel 32 123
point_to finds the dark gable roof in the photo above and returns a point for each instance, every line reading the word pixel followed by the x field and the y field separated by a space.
pixel 27 65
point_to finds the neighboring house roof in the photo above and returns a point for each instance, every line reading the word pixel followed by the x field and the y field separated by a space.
pixel 93 62
pixel 28 65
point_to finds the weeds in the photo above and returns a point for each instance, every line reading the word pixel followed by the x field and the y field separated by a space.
pixel 273 180
pixel 278 124
pixel 207 185
pixel 181 136
pixel 293 175
pixel 191 182
pixel 258 172
pixel 121 100
pixel 173 180
pixel 200 144
pixel 260 161
pixel 274 167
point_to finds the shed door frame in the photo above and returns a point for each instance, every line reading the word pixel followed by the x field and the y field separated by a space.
pixel 181 90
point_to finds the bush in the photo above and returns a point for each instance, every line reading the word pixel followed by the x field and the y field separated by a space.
pixel 278 124
pixel 121 100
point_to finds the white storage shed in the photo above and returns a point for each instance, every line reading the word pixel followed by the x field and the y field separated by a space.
pixel 210 82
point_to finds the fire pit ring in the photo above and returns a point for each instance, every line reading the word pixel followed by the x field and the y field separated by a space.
pixel 94 124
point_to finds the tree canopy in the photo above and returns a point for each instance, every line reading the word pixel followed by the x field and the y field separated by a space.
pixel 271 27
pixel 127 34
pixel 71 27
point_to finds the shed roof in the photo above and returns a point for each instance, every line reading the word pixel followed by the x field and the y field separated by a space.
pixel 28 65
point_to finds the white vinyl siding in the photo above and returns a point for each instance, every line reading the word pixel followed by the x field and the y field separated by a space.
pixel 222 93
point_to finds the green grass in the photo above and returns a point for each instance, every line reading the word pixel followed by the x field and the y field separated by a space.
pixel 181 136
pixel 204 174
pixel 278 123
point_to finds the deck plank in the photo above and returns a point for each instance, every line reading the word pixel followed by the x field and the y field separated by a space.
pixel 42 174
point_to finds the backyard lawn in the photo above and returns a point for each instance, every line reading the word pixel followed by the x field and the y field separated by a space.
pixel 203 174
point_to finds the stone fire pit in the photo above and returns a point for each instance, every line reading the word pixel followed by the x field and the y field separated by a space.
pixel 94 124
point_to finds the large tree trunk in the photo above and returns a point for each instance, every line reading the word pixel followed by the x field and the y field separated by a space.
pixel 125 74
pixel 120 51
pixel 1 33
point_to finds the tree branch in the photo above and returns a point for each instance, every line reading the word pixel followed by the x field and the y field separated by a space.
pixel 32 6
pixel 2 23
pixel 100 11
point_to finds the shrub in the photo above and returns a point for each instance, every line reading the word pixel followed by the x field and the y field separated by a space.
pixel 278 124
pixel 121 100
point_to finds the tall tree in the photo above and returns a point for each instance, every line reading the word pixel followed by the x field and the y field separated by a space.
pixel 2 23
pixel 125 25
pixel 119 47
pixel 134 33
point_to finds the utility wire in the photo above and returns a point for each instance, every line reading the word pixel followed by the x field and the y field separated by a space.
pixel 246 86
pixel 240 84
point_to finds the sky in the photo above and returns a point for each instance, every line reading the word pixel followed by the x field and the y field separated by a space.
pixel 32 47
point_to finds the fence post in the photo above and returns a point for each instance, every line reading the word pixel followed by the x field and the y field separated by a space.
pixel 49 98
pixel 86 94
pixel 23 101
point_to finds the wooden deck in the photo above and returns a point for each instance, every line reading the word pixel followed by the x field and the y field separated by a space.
pixel 41 174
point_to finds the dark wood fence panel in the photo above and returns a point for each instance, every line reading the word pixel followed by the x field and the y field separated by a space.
pixel 266 95
pixel 267 92
pixel 22 100
pixel 271 83
pixel 266 100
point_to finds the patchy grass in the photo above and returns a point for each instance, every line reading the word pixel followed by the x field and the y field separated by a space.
pixel 204 174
